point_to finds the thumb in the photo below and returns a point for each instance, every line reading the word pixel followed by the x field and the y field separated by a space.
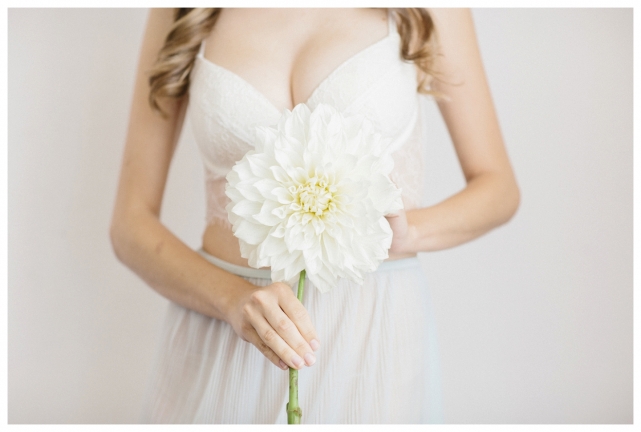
pixel 398 223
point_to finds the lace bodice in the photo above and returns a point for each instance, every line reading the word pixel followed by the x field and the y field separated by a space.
pixel 225 110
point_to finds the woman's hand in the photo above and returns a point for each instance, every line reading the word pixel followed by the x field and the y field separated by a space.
pixel 272 319
pixel 403 234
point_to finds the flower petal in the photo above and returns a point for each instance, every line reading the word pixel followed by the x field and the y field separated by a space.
pixel 313 195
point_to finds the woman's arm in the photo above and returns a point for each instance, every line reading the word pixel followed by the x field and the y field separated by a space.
pixel 169 266
pixel 491 196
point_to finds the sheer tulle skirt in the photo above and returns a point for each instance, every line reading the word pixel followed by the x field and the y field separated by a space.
pixel 378 361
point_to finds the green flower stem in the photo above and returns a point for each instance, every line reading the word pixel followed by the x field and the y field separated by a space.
pixel 294 413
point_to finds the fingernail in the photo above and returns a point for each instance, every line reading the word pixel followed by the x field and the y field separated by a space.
pixel 314 344
pixel 282 365
pixel 310 359
pixel 298 362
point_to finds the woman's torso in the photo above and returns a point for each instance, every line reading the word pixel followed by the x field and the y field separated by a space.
pixel 258 62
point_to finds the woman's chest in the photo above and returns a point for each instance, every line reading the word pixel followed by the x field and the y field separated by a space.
pixel 285 54
pixel 225 108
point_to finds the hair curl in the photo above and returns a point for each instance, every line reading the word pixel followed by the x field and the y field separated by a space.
pixel 169 76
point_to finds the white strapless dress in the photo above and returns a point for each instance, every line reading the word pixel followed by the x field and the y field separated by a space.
pixel 378 361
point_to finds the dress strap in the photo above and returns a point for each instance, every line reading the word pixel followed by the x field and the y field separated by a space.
pixel 201 51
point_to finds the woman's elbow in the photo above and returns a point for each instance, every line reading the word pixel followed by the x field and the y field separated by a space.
pixel 511 200
pixel 129 231
pixel 117 237
pixel 122 234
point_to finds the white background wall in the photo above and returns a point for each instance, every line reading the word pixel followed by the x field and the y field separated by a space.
pixel 534 319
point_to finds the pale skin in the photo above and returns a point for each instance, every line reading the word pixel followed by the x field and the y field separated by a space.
pixel 285 53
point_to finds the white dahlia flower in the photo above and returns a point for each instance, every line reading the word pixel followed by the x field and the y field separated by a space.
pixel 312 196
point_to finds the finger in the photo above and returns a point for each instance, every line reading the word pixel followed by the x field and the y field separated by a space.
pixel 398 223
pixel 300 317
pixel 289 332
pixel 273 340
pixel 254 339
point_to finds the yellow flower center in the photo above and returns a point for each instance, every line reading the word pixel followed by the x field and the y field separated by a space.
pixel 315 196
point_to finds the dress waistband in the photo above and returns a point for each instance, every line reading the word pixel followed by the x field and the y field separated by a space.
pixel 249 272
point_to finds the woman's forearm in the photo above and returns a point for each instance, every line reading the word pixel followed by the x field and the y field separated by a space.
pixel 488 200
pixel 174 270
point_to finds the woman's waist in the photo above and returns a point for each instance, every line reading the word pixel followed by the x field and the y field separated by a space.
pixel 265 273
pixel 220 246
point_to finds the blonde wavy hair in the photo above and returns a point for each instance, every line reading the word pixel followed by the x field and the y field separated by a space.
pixel 169 77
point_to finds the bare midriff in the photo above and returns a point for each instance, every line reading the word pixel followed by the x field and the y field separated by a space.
pixel 220 242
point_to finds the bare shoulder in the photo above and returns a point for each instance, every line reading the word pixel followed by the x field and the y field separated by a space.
pixel 451 20
pixel 159 24
pixel 458 61
pixel 450 13
pixel 457 43
pixel 159 21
